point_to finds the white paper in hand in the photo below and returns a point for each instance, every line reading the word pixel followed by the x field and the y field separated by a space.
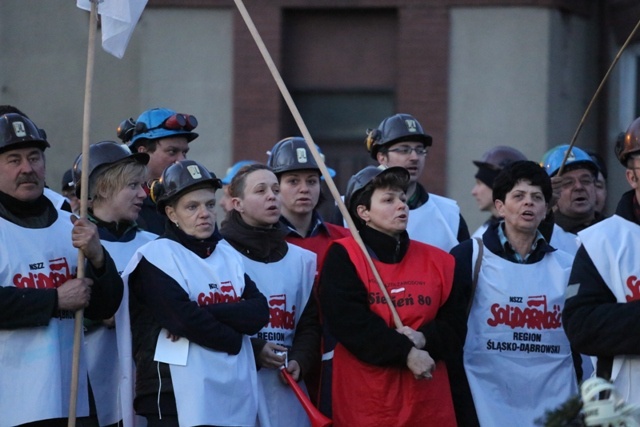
pixel 171 352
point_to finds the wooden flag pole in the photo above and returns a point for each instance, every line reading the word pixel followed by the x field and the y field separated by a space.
pixel 84 193
pixel 314 152
pixel 595 95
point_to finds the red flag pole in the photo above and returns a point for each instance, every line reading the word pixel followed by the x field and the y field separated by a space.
pixel 314 152
pixel 84 193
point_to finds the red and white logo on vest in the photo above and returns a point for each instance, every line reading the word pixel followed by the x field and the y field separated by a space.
pixel 526 317
pixel 45 275
pixel 532 314
pixel 633 284
pixel 279 317
pixel 218 293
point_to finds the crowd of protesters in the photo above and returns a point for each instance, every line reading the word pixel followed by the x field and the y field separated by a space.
pixel 404 320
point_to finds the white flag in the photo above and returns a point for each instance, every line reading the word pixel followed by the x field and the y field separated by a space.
pixel 119 18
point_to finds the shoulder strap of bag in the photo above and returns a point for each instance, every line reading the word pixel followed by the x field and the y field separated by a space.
pixel 476 272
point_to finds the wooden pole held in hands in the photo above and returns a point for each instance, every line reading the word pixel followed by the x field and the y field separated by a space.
pixel 84 192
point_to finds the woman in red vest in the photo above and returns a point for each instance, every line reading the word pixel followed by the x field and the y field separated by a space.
pixel 384 375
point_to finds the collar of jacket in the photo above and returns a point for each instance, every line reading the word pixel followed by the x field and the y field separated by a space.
pixel 628 207
pixel 383 247
pixel 202 248
pixel 115 231
pixel 491 240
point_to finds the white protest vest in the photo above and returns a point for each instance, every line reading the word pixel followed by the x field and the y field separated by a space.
pixel 213 388
pixel 287 284
pixel 564 240
pixel 56 198
pixel 480 231
pixel 435 223
pixel 516 355
pixel 35 363
pixel 100 344
pixel 613 245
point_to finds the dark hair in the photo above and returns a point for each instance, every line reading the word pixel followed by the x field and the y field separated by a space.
pixel 149 144
pixel 599 160
pixel 392 180
pixel 237 185
pixel 522 170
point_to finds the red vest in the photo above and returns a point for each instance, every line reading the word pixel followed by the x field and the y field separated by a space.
pixel 365 395
pixel 318 244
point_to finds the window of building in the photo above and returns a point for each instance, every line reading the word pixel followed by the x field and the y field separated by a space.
pixel 339 66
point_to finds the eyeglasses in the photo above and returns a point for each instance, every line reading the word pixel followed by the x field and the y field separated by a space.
pixel 406 151
pixel 585 181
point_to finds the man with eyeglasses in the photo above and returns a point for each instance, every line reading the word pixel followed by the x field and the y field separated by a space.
pixel 575 208
pixel 400 140
pixel 164 135
pixel 601 315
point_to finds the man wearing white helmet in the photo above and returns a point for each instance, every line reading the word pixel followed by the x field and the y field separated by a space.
pixel 165 136
pixel 400 140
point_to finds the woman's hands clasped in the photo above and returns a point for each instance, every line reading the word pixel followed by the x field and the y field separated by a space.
pixel 418 361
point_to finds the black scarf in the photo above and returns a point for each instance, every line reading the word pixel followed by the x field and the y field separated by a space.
pixel 39 213
pixel 256 243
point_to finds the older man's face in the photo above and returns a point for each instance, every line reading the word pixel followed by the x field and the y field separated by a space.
pixel 22 173
pixel 578 194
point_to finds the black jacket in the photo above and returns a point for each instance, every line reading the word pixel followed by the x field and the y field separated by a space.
pixel 594 321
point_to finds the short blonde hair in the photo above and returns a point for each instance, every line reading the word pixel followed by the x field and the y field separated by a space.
pixel 109 181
